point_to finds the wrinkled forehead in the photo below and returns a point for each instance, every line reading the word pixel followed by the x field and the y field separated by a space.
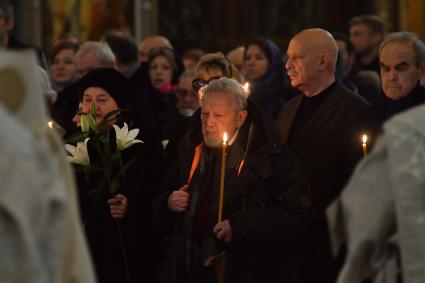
pixel 397 52
pixel 299 45
pixel 219 98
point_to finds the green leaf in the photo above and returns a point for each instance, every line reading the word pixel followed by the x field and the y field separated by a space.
pixel 93 109
pixel 77 137
pixel 92 122
pixel 111 116
pixel 85 127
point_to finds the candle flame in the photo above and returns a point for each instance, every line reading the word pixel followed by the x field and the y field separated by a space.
pixel 224 138
pixel 364 138
pixel 50 124
pixel 246 87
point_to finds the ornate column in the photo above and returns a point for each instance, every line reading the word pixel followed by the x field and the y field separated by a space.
pixel 145 18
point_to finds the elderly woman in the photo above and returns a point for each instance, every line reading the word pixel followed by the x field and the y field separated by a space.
pixel 265 72
pixel 109 90
pixel 63 71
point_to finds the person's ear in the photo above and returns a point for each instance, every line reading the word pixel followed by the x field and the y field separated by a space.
pixel 324 59
pixel 241 118
pixel 13 89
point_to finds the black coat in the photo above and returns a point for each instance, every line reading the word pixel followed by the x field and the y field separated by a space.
pixel 328 146
pixel 377 114
pixel 140 241
pixel 263 204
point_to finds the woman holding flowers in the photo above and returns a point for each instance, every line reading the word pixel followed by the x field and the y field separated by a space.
pixel 119 170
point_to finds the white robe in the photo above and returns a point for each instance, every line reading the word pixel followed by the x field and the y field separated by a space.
pixel 40 236
pixel 383 206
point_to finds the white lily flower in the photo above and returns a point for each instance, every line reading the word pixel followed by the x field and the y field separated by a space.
pixel 125 138
pixel 79 154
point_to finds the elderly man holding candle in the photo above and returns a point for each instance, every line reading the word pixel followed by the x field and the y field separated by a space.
pixel 321 126
pixel 263 216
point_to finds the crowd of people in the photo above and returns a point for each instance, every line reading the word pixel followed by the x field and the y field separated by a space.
pixel 291 195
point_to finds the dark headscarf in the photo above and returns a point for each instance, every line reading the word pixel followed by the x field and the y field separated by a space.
pixel 111 80
pixel 269 91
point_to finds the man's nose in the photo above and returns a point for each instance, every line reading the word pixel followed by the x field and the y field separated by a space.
pixel 392 75
pixel 210 121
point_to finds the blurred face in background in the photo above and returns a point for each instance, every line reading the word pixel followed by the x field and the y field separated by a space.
pixel 160 72
pixel 187 99
pixel 363 39
pixel 63 68
pixel 347 58
pixel 399 72
pixel 255 62
pixel 87 62
pixel 102 99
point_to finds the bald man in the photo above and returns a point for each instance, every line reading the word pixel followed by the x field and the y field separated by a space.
pixel 151 42
pixel 236 57
pixel 320 125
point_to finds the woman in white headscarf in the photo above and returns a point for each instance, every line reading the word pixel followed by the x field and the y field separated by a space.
pixel 40 238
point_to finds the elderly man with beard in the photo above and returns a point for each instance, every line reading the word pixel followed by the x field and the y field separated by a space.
pixel 320 125
pixel 260 236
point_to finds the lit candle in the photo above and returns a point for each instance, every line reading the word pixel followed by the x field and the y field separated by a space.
pixel 50 124
pixel 364 139
pixel 223 170
pixel 246 88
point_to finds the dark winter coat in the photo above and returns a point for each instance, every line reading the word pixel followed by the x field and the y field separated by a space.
pixel 328 146
pixel 263 205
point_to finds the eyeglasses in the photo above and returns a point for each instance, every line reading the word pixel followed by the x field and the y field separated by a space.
pixel 197 84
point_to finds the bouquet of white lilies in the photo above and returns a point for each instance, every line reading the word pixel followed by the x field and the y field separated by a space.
pixel 95 140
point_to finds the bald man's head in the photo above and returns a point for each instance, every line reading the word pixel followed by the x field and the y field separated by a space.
pixel 311 61
pixel 236 57
pixel 152 42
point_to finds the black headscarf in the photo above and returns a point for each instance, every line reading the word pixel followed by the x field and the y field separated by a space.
pixel 269 91
pixel 111 80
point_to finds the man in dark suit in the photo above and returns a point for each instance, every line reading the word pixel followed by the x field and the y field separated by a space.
pixel 320 125
pixel 402 60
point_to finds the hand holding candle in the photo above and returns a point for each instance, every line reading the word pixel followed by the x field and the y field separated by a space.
pixel 364 145
pixel 223 170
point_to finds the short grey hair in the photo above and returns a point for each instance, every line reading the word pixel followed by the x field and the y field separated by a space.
pixel 102 51
pixel 187 73
pixel 228 86
pixel 409 38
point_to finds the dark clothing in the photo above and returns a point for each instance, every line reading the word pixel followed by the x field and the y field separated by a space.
pixel 66 106
pixel 372 66
pixel 328 145
pixel 140 242
pixel 377 114
pixel 308 107
pixel 262 203
pixel 271 90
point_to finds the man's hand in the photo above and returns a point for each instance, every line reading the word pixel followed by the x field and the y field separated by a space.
pixel 178 201
pixel 223 231
pixel 118 205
